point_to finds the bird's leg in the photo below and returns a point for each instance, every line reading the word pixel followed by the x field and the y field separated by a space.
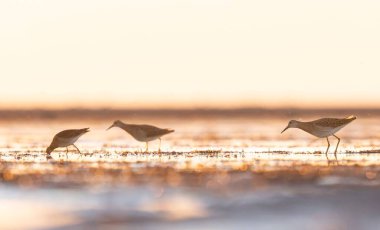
pixel 328 146
pixel 67 151
pixel 336 146
pixel 77 149
pixel 147 146
pixel 159 147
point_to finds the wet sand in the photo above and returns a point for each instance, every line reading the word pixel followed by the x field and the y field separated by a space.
pixel 223 173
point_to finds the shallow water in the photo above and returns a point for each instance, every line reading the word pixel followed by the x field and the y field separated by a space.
pixel 211 174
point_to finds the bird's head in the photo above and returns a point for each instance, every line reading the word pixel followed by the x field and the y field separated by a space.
pixel 49 149
pixel 291 124
pixel 116 123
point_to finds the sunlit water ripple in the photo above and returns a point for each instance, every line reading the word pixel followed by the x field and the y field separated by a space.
pixel 219 173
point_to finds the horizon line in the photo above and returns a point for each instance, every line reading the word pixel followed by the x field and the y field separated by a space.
pixel 211 108
pixel 200 108
pixel 100 114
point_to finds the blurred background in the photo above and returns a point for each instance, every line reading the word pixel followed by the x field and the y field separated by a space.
pixel 189 53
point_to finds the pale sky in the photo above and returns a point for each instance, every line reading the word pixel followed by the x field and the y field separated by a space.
pixel 189 53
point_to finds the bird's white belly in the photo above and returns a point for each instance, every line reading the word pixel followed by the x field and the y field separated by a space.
pixel 152 138
pixel 64 142
pixel 146 139
pixel 326 131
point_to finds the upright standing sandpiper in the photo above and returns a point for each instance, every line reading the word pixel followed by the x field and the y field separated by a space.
pixel 322 128
pixel 142 133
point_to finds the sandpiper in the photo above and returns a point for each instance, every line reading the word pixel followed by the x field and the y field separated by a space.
pixel 65 139
pixel 322 128
pixel 142 133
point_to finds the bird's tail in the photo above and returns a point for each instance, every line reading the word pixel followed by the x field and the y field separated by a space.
pixel 85 130
pixel 351 118
pixel 170 130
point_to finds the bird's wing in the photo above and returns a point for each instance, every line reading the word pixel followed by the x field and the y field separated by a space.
pixel 333 122
pixel 152 131
pixel 70 133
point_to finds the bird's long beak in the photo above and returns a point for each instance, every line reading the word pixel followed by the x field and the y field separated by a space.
pixel 287 127
pixel 110 127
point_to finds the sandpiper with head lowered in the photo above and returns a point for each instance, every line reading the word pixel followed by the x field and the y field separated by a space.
pixel 142 133
pixel 322 128
pixel 65 139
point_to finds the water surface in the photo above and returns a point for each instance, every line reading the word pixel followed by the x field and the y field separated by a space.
pixel 212 173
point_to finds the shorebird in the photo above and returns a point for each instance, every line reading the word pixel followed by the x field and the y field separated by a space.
pixel 322 128
pixel 65 139
pixel 142 133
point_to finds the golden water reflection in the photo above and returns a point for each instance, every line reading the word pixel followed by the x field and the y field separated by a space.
pixel 204 164
pixel 181 167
